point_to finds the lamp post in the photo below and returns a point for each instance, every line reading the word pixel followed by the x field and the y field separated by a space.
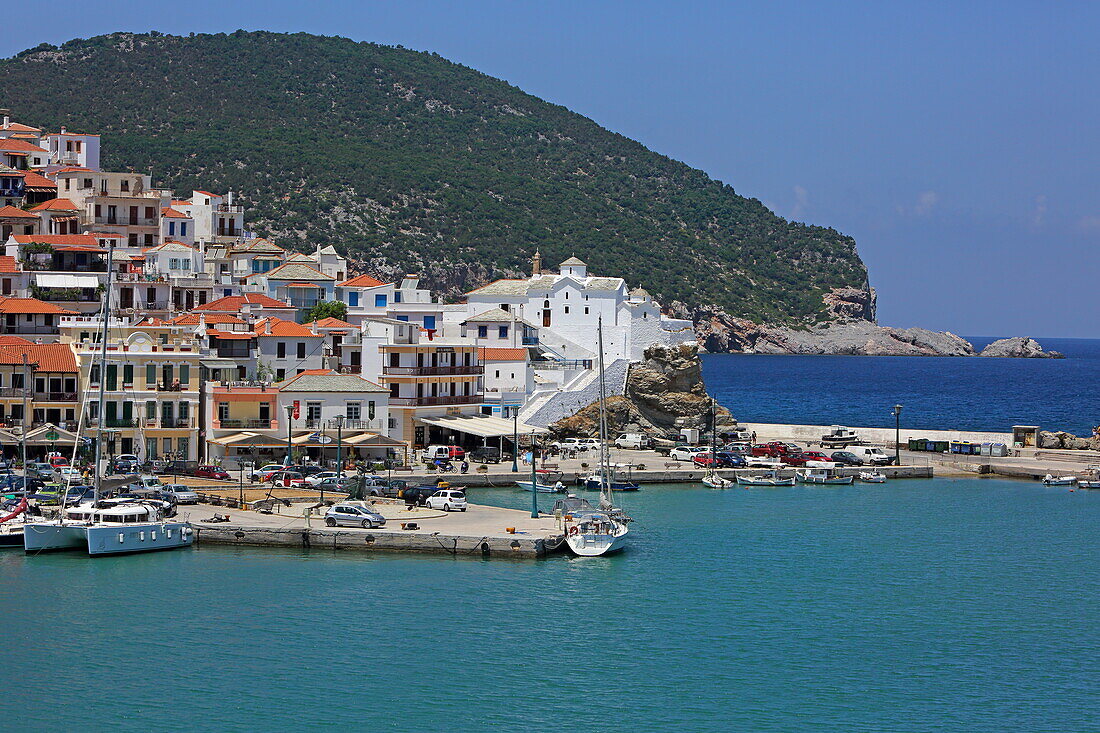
pixel 534 483
pixel 289 422
pixel 339 448
pixel 515 438
pixel 897 435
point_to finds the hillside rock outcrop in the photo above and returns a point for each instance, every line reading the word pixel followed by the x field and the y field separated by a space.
pixel 1061 440
pixel 664 393
pixel 1019 347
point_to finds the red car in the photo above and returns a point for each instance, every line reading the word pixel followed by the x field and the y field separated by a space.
pixel 812 456
pixel 775 449
pixel 457 453
pixel 212 472
pixel 59 461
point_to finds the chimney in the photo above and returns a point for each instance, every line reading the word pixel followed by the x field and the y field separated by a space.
pixel 7 121
pixel 229 198
pixel 536 263
pixel 62 129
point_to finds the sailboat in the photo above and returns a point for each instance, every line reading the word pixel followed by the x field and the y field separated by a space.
pixel 590 533
pixel 113 526
pixel 711 477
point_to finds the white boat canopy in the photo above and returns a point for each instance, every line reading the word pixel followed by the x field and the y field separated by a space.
pixel 54 280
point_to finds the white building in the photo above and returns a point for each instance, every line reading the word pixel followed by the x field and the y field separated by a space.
pixel 567 307
pixel 72 149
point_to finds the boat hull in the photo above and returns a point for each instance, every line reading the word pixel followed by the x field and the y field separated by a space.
pixel 751 481
pixel 594 545
pixel 594 485
pixel 107 539
pixel 540 488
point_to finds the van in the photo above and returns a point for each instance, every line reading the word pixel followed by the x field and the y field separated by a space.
pixel 443 453
pixel 634 441
pixel 872 455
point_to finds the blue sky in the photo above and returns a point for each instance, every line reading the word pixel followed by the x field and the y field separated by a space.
pixel 957 142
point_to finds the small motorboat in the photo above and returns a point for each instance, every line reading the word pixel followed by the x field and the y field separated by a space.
pixel 715 481
pixel 555 488
pixel 822 476
pixel 872 477
pixel 767 479
pixel 1049 480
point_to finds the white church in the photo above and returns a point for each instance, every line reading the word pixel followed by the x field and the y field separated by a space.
pixel 563 309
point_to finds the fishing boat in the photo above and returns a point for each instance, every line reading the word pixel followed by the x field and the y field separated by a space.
pixel 1088 483
pixel 107 527
pixel 1049 480
pixel 555 488
pixel 11 531
pixel 766 479
pixel 872 477
pixel 601 531
pixel 711 478
pixel 714 481
pixel 595 481
pixel 822 476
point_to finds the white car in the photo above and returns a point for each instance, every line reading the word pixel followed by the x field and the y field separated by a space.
pixel 264 472
pixel 686 452
pixel 449 500
pixel 763 462
pixel 317 478
pixel 68 474
pixel 590 444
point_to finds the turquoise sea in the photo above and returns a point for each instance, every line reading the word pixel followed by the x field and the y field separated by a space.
pixel 961 605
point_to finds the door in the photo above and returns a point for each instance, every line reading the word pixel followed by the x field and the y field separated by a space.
pixel 126 298
pixel 127 413
pixel 112 414
pixel 133 215
pixel 546 318
pixel 112 376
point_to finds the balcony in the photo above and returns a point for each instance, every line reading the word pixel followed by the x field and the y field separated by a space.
pixel 437 400
pixel 23 329
pixel 428 371
pixel 229 209
pixel 55 396
pixel 246 423
pixel 13 193
pixel 16 392
pixel 304 302
pixel 126 220
pixel 175 422
pixel 530 340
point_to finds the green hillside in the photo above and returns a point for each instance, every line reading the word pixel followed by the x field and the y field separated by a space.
pixel 412 163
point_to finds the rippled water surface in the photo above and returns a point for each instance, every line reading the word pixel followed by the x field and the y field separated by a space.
pixel 917 605
pixel 936 392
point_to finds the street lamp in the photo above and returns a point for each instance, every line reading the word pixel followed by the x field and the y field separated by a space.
pixel 289 421
pixel 534 483
pixel 515 438
pixel 897 435
pixel 339 445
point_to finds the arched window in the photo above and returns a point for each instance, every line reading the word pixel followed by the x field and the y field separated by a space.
pixel 546 304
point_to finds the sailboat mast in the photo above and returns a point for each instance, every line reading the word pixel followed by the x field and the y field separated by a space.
pixel 605 464
pixel 103 373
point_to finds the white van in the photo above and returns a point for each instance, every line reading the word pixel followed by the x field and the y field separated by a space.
pixel 872 455
pixel 633 441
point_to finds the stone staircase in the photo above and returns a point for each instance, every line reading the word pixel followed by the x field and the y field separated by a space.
pixel 580 395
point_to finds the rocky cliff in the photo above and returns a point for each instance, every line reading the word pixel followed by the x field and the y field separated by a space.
pixel 1068 441
pixel 664 393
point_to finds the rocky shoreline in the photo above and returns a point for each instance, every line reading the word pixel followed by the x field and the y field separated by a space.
pixel 849 329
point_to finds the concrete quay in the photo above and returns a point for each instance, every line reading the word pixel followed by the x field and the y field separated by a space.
pixel 480 531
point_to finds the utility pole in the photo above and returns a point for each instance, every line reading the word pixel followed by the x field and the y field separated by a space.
pixel 897 435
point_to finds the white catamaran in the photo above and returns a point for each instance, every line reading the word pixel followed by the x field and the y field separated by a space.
pixel 589 532
pixel 107 527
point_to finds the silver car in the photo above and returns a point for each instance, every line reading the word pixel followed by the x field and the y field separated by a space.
pixel 180 494
pixel 354 515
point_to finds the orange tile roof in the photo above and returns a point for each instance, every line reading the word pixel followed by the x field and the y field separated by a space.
pixel 37 180
pixel 324 372
pixel 56 205
pixel 78 240
pixel 489 353
pixel 207 193
pixel 10 212
pixel 169 213
pixel 74 169
pixel 45 357
pixel 233 303
pixel 362 281
pixel 330 323
pixel 20 128
pixel 13 341
pixel 8 264
pixel 279 327
pixel 180 202
pixel 9 144
pixel 231 335
pixel 31 305
pixel 192 319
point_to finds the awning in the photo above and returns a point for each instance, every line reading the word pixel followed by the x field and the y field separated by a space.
pixel 54 280
pixel 373 439
pixel 231 439
pixel 50 434
pixel 483 426
pixel 248 440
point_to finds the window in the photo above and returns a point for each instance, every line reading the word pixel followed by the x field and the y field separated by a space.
pixel 566 309
pixel 149 213
pixel 506 307
pixel 93 377
pixel 498 374
pixel 353 299
pixel 171 229
pixel 482 332
pixel 98 211
pixel 185 377
pixel 429 322
pixel 68 183
pixel 353 411
pixel 128 375
pixel 403 318
pixel 185 409
pixel 397 296
pixel 87 183
pixel 502 332
pixel 280 350
pixel 183 448
pixel 132 239
pixel 380 300
pixel 150 375
pixel 124 185
pixel 151 447
pixel 280 375
pixel 586 310
pixel 313 411
pixel 301 349
pixel 183 229
pixel 151 410
pixel 148 240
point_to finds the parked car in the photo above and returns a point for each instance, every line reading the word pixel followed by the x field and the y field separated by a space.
pixel 443 453
pixel 58 461
pixel 593 444
pixel 763 462
pixel 77 494
pixel 290 479
pixel 335 484
pixel 317 478
pixel 449 500
pixel 67 474
pixel 215 472
pixel 126 463
pixel 809 459
pixel 9 484
pixel 264 472
pixel 738 447
pixel 485 454
pixel 633 441
pixel 775 449
pixel 180 494
pixel 308 469
pixel 353 515
pixel 873 456
pixel 39 470
pixel 417 495
pixel 846 458
pixel 149 481
pixel 686 452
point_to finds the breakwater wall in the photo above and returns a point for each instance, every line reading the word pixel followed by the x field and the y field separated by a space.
pixel 874 436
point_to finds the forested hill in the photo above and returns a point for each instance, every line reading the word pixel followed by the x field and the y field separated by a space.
pixel 412 163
